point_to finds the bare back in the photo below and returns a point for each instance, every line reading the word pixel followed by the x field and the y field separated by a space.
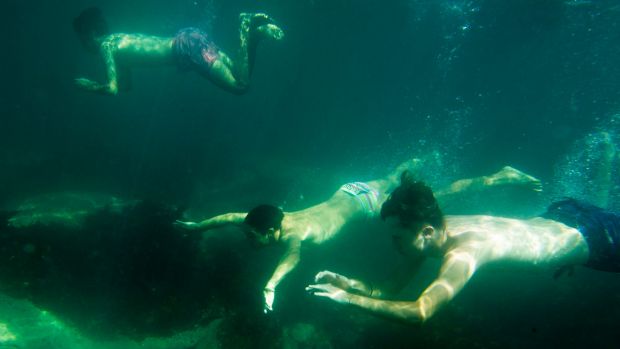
pixel 322 222
pixel 536 241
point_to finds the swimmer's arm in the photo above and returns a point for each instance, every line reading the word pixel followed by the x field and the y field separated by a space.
pixel 398 280
pixel 112 86
pixel 287 263
pixel 456 270
pixel 214 222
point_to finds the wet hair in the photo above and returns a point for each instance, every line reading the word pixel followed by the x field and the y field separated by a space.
pixel 414 204
pixel 89 26
pixel 264 217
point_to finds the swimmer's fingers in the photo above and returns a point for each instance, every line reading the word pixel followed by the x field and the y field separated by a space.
pixel 328 277
pixel 325 276
pixel 269 295
pixel 321 290
pixel 328 291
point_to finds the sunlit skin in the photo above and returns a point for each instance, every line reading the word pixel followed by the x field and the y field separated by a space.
pixel 322 222
pixel 465 244
pixel 122 51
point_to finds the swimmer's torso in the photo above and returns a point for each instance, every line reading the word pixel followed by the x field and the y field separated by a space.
pixel 322 222
pixel 536 241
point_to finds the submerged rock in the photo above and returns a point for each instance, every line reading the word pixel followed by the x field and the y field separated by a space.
pixel 68 209
pixel 304 335
pixel 23 325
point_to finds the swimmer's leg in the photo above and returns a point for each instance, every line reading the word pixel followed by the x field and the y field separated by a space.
pixel 236 77
pixel 511 176
pixel 254 27
pixel 221 74
pixel 506 176
pixel 392 180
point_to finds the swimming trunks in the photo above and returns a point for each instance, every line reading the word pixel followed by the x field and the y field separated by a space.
pixel 600 228
pixel 367 196
pixel 193 50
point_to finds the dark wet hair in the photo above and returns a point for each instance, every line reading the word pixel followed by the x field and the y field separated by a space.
pixel 89 26
pixel 264 217
pixel 414 204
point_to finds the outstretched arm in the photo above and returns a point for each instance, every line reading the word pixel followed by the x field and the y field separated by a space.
pixel 111 87
pixel 457 269
pixel 287 263
pixel 398 280
pixel 214 222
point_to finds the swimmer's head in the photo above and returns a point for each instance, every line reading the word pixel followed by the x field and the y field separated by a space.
pixel 414 214
pixel 90 26
pixel 262 224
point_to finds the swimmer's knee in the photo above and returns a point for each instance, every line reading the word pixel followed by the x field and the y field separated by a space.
pixel 113 89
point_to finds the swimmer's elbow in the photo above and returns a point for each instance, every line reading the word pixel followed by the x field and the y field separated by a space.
pixel 410 313
pixel 420 312
pixel 416 318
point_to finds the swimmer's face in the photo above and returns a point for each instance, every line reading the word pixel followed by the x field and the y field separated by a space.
pixel 402 236
pixel 408 241
pixel 257 239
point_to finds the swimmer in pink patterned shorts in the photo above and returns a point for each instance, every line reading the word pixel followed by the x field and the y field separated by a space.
pixel 189 49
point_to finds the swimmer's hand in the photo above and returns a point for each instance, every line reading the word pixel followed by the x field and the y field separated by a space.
pixel 341 281
pixel 329 291
pixel 269 294
pixel 187 226
pixel 328 277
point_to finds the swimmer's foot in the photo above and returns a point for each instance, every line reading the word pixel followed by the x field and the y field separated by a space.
pixel 511 176
pixel 261 24
pixel 270 31
pixel 413 166
pixel 87 84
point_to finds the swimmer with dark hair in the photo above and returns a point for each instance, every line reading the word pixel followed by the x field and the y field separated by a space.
pixel 569 233
pixel 266 224
pixel 189 49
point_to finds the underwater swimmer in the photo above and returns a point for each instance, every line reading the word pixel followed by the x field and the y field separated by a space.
pixel 569 233
pixel 267 224
pixel 189 49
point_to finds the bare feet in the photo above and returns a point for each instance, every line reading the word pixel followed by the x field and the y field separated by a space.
pixel 270 31
pixel 261 24
pixel 412 166
pixel 511 176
